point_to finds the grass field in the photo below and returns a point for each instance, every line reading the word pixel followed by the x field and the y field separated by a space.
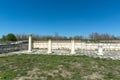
pixel 56 67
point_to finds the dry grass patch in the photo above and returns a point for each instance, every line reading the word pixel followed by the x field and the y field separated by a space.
pixel 76 65
pixel 37 74
pixel 64 73
pixel 94 76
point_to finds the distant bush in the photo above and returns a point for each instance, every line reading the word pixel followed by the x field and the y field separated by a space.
pixel 9 37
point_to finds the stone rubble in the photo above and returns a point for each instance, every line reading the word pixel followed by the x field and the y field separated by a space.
pixel 114 55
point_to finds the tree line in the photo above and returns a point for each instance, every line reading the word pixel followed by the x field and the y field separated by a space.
pixel 93 37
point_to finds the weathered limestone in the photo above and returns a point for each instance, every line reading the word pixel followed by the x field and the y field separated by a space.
pixel 72 47
pixel 30 43
pixel 49 46
pixel 100 50
pixel 81 45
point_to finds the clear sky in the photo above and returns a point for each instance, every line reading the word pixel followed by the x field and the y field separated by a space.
pixel 67 17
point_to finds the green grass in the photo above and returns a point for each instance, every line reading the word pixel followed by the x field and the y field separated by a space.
pixel 55 67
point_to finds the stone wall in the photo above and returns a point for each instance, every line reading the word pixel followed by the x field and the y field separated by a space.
pixel 66 44
pixel 5 48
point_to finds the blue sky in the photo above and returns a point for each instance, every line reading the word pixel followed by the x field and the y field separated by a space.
pixel 67 17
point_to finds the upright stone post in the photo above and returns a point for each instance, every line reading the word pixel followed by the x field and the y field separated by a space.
pixel 72 47
pixel 30 43
pixel 100 50
pixel 49 46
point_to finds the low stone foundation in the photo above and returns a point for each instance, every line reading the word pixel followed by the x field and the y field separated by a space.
pixel 114 55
